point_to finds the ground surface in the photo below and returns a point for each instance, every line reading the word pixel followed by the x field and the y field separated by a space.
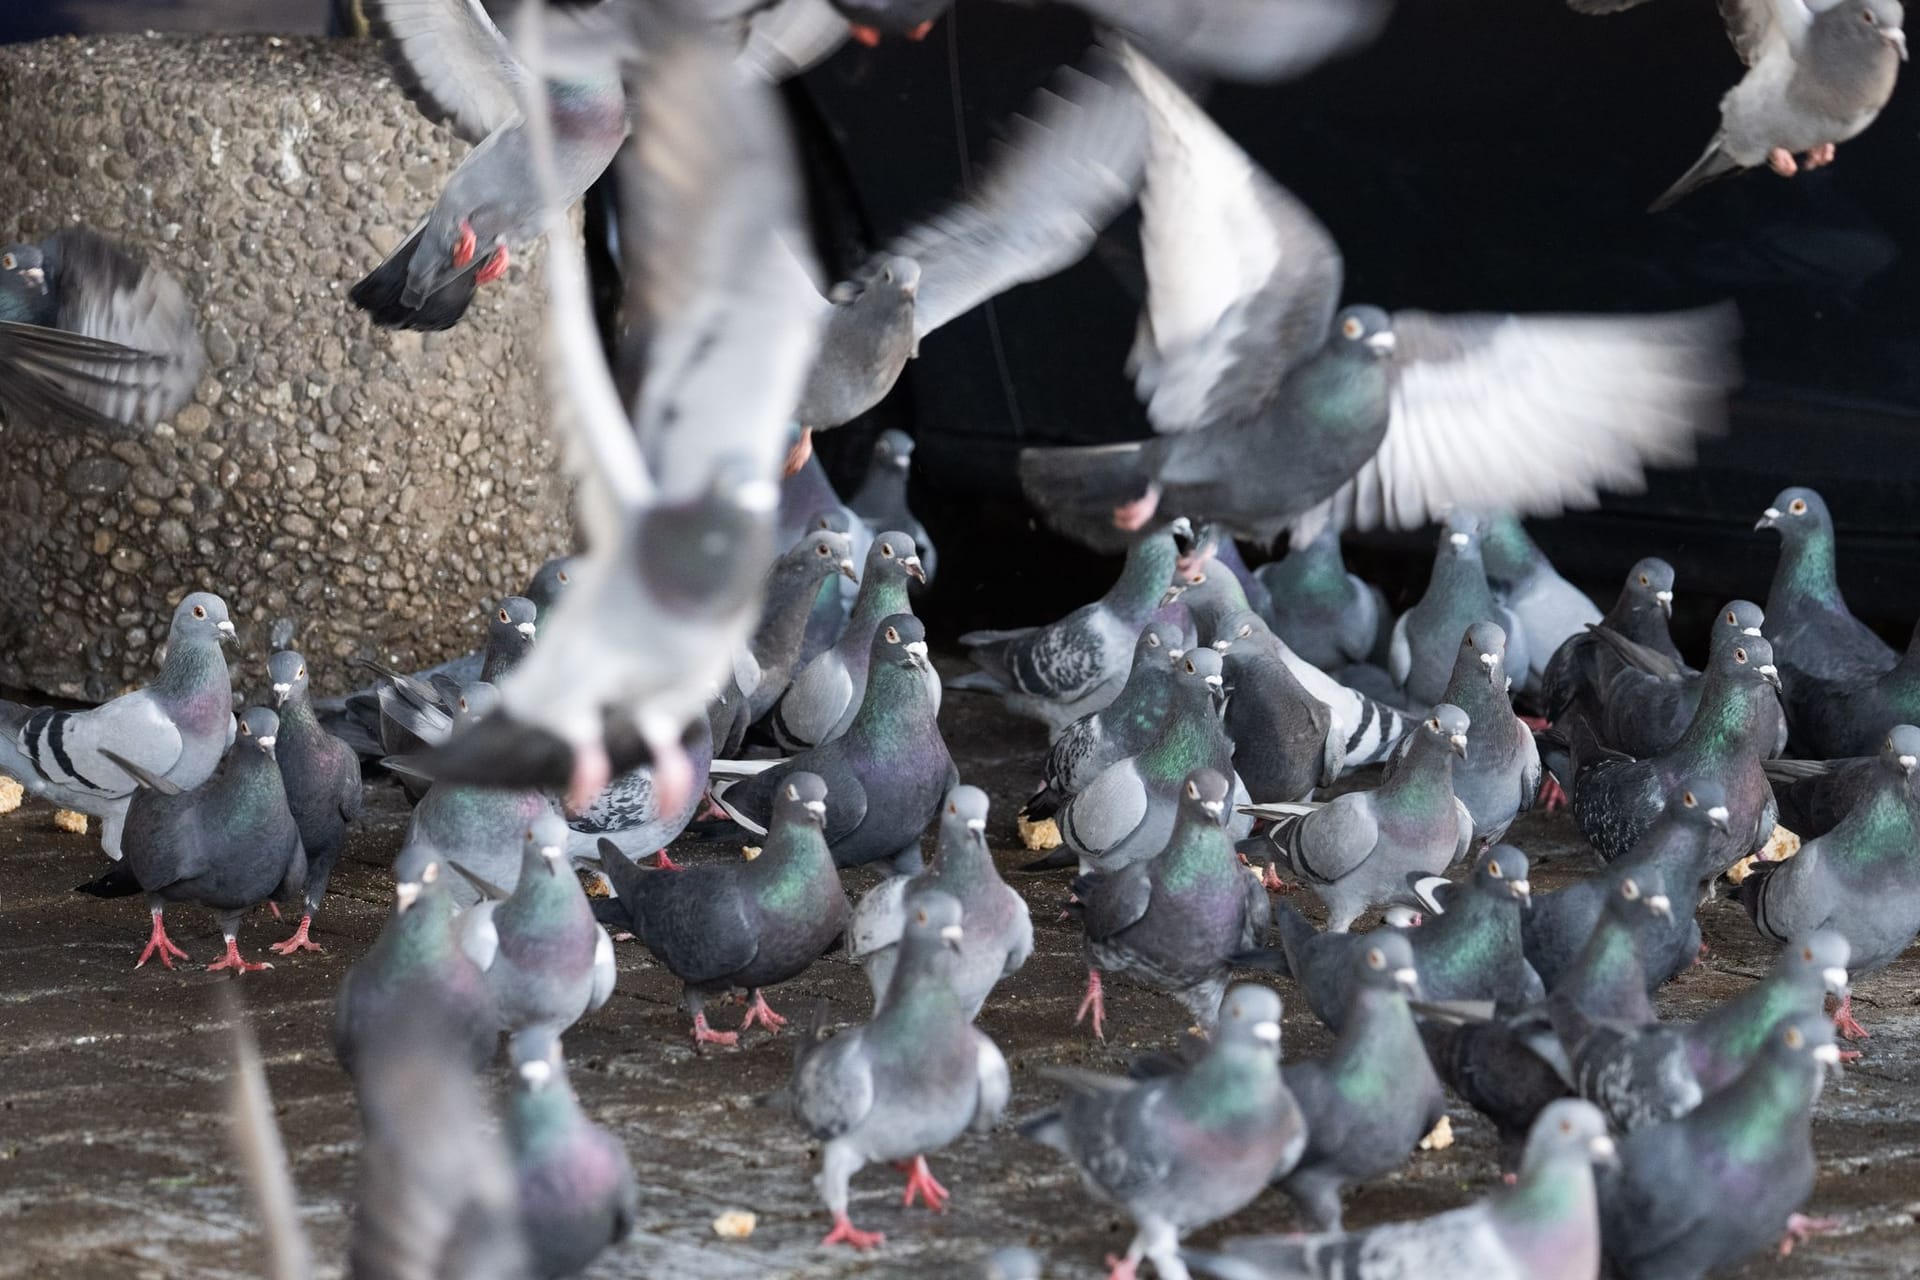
pixel 113 1156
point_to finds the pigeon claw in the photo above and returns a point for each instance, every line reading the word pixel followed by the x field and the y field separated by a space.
pixel 1119 1268
pixel 157 941
pixel 870 37
pixel 704 1034
pixel 1821 156
pixel 233 961
pixel 921 1182
pixel 298 942
pixel 464 246
pixel 1800 1228
pixel 1781 161
pixel 1552 795
pixel 661 862
pixel 495 267
pixel 1843 1021
pixel 1094 1003
pixel 800 450
pixel 920 32
pixel 1133 516
pixel 759 1012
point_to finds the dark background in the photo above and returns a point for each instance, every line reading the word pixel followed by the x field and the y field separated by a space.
pixel 1492 154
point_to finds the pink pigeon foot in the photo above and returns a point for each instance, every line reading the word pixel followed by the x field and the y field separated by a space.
pixel 1821 156
pixel 870 37
pixel 298 942
pixel 1552 796
pixel 661 862
pixel 760 1013
pixel 704 1034
pixel 273 907
pixel 158 941
pixel 844 1232
pixel 1843 1021
pixel 1781 161
pixel 1119 1268
pixel 802 449
pixel 495 267
pixel 1800 1228
pixel 672 775
pixel 591 773
pixel 233 961
pixel 1539 724
pixel 464 247
pixel 921 1182
pixel 1094 1003
pixel 1134 515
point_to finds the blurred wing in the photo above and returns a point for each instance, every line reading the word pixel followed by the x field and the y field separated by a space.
pixel 452 61
pixel 1756 25
pixel 108 294
pixel 1242 280
pixel 1262 40
pixel 263 1157
pixel 1535 414
pixel 789 37
pixel 1066 169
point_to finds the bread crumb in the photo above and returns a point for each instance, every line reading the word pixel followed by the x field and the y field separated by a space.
pixel 749 852
pixel 11 794
pixel 735 1224
pixel 1441 1138
pixel 68 820
pixel 1038 836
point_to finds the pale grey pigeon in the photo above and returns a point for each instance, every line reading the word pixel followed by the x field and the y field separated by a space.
pixel 1426 639
pixel 1549 608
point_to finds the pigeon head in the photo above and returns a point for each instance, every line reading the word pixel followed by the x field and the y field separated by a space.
pixel 1821 956
pixel 1639 896
pixel 1365 331
pixel 1862 22
pixel 476 702
pixel 1460 534
pixel 901 640
pixel 894 552
pixel 1750 658
pixel 545 846
pixel 1571 1127
pixel 1241 624
pixel 1159 642
pixel 706 556
pixel 1650 585
pixel 288 672
pixel 1796 513
pixel 1501 872
pixel 407 891
pixel 515 619
pixel 23 285
pixel 933 923
pixel 1739 622
pixel 802 800
pixel 1802 1041
pixel 201 616
pixel 1900 753
pixel 897 278
pixel 1199 671
pixel 1506 548
pixel 1700 800
pixel 1386 963
pixel 1250 1018
pixel 1204 797
pixel 966 815
pixel 829 552
pixel 1483 650
pixel 259 728
pixel 549 582
pixel 1447 727
pixel 894 447
pixel 832 519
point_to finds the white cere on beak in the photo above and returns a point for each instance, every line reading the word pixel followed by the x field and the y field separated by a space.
pixel 1660 905
pixel 1458 740
pixel 536 1073
pixel 1664 597
pixel 1215 682
pixel 1459 539
pixel 1524 888
pixel 977 824
pixel 551 852
pixel 1750 631
pixel 526 629
pixel 1602 1147
pixel 1406 977
pixel 818 808
pixel 406 893
pixel 917 648
pixel 35 276
pixel 1827 1054
pixel 1771 513
pixel 266 741
pixel 225 628
pixel 1214 807
pixel 1835 977
pixel 1718 813
pixel 1768 669
pixel 1381 341
pixel 1269 1032
pixel 283 689
pixel 1909 762
pixel 952 933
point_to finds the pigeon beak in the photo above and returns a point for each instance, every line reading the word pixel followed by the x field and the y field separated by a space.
pixel 1213 808
pixel 917 655
pixel 1171 594
pixel 1458 539
pixel 912 565
pixel 1768 518
pixel 1408 980
pixel 1750 631
pixel 1458 742
pixel 1603 1151
pixel 1266 1032
pixel 280 692
pixel 848 572
pixel 817 810
pixel 1382 342
pixel 1719 817
pixel 1769 673
pixel 1221 646
pixel 1522 890
pixel 1897 38
pixel 1835 978
pixel 951 936
pixel 225 628
pixel 1661 906
pixel 37 276
pixel 266 741
pixel 1907 764
pixel 978 826
pixel 1665 600
pixel 405 894
pixel 1491 661
pixel 526 629
pixel 1827 1055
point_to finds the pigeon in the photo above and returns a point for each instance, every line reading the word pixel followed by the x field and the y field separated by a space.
pixel 999 932
pixel 1615 799
pixel 1857 878
pixel 1578 671
pixel 1067 168
pixel 881 499
pixel 886 775
pixel 1717 1185
pixel 1499 776
pixel 1356 850
pixel 1213 544
pixel 575 1185
pixel 414 973
pixel 907 1082
pixel 1285 741
pixel 481 828
pixel 628 814
pixel 1818 72
pixel 1678 849
pixel 510 636
pixel 1071 668
pixel 176 728
pixel 546 960
pixel 1817 639
pixel 321 775
pixel 1127 812
pixel 229 844
pixel 1174 921
pixel 1550 609
pixel 1211 595
pixel 1178 1151
pixel 747 924
pixel 548 583
pixel 1814 795
pixel 92 335
pixel 1544 1226
pixel 1369 729
pixel 1423 652
pixel 1650 700
pixel 1325 614
pixel 1371 1099
pixel 793 585
pixel 1124 727
pixel 1725 1041
pixel 1850 717
pixel 1391 419
pixel 825 695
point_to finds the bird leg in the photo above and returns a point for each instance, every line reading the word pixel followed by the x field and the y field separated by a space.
pixel 591 773
pixel 1539 724
pixel 1119 1268
pixel 463 248
pixel 844 1232
pixel 1552 796
pixel 760 1013
pixel 273 907
pixel 1843 1021
pixel 870 37
pixel 494 268
pixel 233 961
pixel 672 774
pixel 704 1034
pixel 1820 156
pixel 299 941
pixel 158 941
pixel 1800 1228
pixel 1095 1002
pixel 661 862
pixel 1700 957
pixel 921 1182
pixel 801 449
pixel 1781 161
pixel 1133 516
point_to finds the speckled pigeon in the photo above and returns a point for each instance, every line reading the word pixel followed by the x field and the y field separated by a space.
pixel 1176 1152
pixel 175 728
pixel 1124 727
pixel 1325 614
pixel 1816 638
pixel 999 932
pixel 574 1182
pixel 1577 672
pixel 1285 741
pixel 628 814
pixel 1499 776
pixel 322 779
pixel 1422 652
pixel 1550 609
pixel 906 1083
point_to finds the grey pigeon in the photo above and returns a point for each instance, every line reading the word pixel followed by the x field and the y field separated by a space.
pixel 1325 614
pixel 1849 717
pixel 1724 1042
pixel 575 1185
pixel 1857 879
pixel 793 585
pixel 1371 1099
pixel 999 932
pixel 92 335
pixel 548 583
pixel 1179 1151
pixel 906 1083
pixel 1213 544
pixel 1425 645
pixel 229 844
pixel 1211 595
pixel 1817 74
pixel 1499 776
pixel 481 828
pixel 1578 671
pixel 1650 700
pixel 886 775
pixel 1285 741
pixel 415 972
pixel 1525 583
pixel 510 635
pixel 746 924
pixel 881 499
pixel 1814 795
pixel 322 779
pixel 1545 1226
pixel 628 813
pixel 1816 638
pixel 176 728
pixel 1678 849
pixel 547 962
pixel 1386 420
pixel 1173 922
pixel 824 696
pixel 1357 850
pixel 1369 728
pixel 1071 668
pixel 1124 727
pixel 1727 1180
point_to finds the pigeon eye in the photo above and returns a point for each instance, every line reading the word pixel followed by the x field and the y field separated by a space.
pixel 1731 620
pixel 1246 631
pixel 7 262
pixel 1191 669
pixel 1193 792
pixel 886 549
pixel 1644 582
pixel 504 617
pixel 1740 655
pixel 1153 642
pixel 1687 799
pixel 562 578
pixel 1794 1038
pixel 1566 1126
pixel 1493 869
pixel 244 728
pixel 1351 328
pixel 199 611
pixel 1630 890
pixel 1806 953
pixel 1434 724
pixel 1376 958
pixel 822 550
pixel 920 917
pixel 463 704
pixel 1799 505
pixel 301 674
pixel 1866 16
pixel 893 636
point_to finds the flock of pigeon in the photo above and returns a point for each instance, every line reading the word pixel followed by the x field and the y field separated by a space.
pixel 734 636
